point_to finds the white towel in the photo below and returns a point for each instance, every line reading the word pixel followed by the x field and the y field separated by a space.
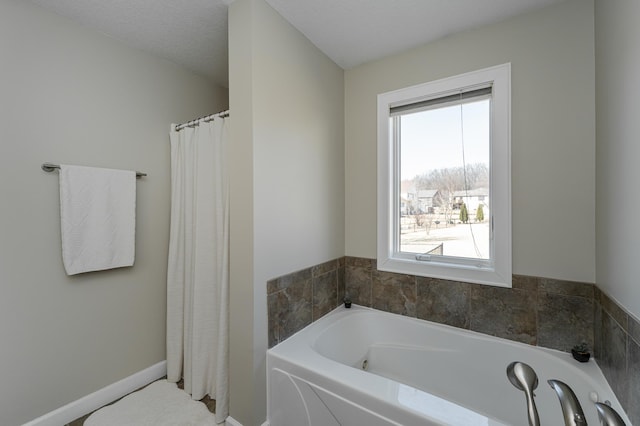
pixel 98 218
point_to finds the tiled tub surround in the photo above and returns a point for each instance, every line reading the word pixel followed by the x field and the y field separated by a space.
pixel 538 311
pixel 296 299
pixel 617 350
pixel 546 312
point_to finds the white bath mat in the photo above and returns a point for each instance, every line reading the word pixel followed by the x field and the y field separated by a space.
pixel 160 403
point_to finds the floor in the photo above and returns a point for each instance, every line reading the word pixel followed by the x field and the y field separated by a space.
pixel 210 403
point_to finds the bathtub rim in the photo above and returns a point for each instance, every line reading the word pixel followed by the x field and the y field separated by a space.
pixel 300 351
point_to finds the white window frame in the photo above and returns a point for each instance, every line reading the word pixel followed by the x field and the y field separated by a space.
pixel 496 271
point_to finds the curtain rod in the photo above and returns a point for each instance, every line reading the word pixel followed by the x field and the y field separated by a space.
pixel 48 167
pixel 205 119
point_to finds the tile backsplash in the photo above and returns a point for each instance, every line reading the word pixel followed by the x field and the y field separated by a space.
pixel 617 351
pixel 296 299
pixel 539 311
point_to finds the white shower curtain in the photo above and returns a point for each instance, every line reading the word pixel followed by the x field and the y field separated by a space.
pixel 198 272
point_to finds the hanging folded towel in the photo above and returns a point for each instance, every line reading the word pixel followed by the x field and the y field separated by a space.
pixel 98 218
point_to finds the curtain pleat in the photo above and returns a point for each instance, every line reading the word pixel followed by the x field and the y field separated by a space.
pixel 197 273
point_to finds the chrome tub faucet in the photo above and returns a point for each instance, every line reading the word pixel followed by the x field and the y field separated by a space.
pixel 571 409
pixel 524 378
pixel 608 416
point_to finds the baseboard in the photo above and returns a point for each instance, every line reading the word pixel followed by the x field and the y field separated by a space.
pixel 230 421
pixel 102 397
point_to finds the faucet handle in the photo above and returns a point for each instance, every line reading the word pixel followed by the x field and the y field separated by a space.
pixel 524 378
pixel 608 416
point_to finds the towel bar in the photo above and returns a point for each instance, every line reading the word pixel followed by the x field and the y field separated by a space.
pixel 48 167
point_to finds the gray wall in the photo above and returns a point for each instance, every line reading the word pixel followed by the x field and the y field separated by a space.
pixel 287 193
pixel 618 150
pixel 552 143
pixel 69 95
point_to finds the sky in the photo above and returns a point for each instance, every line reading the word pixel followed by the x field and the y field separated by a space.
pixel 432 139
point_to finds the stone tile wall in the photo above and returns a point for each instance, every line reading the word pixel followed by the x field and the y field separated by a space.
pixel 617 350
pixel 539 311
pixel 296 299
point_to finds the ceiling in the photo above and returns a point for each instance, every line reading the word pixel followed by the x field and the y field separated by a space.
pixel 351 32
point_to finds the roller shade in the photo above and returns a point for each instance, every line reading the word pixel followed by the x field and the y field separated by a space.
pixel 472 95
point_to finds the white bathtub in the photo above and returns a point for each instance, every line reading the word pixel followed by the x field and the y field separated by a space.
pixel 417 373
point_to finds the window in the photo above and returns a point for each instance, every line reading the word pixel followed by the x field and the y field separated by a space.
pixel 444 201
